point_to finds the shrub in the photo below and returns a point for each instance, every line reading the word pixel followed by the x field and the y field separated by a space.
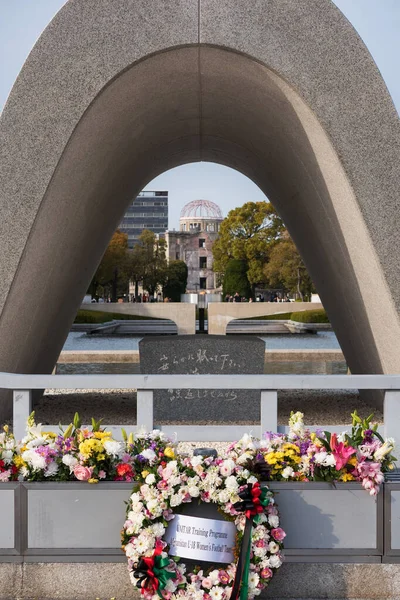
pixel 92 316
pixel 284 316
pixel 235 279
pixel 310 316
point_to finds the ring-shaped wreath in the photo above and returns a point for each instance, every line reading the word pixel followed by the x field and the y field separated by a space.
pixel 232 483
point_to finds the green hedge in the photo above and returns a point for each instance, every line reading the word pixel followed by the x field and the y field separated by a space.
pixel 278 317
pixel 310 316
pixel 94 316
pixel 305 316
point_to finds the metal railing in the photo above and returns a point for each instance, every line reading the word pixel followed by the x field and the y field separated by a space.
pixel 268 385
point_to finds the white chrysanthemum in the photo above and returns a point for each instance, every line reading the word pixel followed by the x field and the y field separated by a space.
pixel 259 551
pixel 253 580
pixel 114 448
pixel 275 561
pixel 231 483
pixel 69 461
pixel 149 454
pixel 224 496
pixel 273 520
pixel 51 470
pixel 196 460
pixel 158 529
pixel 320 457
pixel 216 593
pixel 24 472
pixel 130 550
pixel 287 472
pixel 150 479
pixel 194 491
pixel 36 461
pixel 135 507
pixel 176 500
pixel 7 456
pixel 153 506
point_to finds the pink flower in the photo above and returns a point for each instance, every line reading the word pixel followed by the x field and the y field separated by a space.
pixel 278 534
pixel 102 474
pixel 369 469
pixel 206 583
pixel 340 452
pixel 266 573
pixel 4 476
pixel 83 473
pixel 223 577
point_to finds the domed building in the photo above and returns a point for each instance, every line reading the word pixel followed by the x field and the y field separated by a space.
pixel 199 225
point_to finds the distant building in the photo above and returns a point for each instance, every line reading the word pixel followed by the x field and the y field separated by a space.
pixel 199 225
pixel 148 211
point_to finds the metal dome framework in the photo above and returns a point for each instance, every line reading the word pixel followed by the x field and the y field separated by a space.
pixel 204 209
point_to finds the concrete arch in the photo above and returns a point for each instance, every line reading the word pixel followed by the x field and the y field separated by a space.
pixel 115 93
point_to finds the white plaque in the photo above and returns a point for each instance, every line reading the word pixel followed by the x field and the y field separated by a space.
pixel 201 539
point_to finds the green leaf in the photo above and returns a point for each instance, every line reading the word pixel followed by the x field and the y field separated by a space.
pixel 68 431
pixel 77 421
pixel 325 444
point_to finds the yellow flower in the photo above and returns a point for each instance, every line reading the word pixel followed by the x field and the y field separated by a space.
pixel 93 480
pixel 90 447
pixel 313 436
pixel 169 452
pixel 50 435
pixel 19 462
pixel 270 458
pixel 5 428
pixel 100 435
pixel 145 473
pixel 347 477
pixel 352 461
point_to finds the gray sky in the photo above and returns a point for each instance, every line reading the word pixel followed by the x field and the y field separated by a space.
pixel 377 22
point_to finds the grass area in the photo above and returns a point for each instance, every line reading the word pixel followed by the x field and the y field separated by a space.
pixel 97 316
pixel 305 316
pixel 310 316
pixel 283 316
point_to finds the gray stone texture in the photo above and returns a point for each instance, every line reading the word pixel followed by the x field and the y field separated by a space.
pixel 113 94
pixel 294 581
pixel 197 354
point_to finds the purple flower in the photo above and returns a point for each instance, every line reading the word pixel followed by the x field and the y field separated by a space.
pixel 304 446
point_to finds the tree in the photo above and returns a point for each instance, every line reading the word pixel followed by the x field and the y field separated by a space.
pixel 176 280
pixel 111 272
pixel 286 269
pixel 248 234
pixel 235 279
pixel 147 262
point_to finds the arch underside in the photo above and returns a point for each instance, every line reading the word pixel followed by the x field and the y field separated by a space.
pixel 185 104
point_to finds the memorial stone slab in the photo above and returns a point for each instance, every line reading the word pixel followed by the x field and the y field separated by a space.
pixel 194 354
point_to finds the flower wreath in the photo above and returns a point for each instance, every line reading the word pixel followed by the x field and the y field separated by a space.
pixel 233 484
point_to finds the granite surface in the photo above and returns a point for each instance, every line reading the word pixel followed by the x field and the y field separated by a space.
pixel 208 354
pixel 294 581
pixel 284 91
